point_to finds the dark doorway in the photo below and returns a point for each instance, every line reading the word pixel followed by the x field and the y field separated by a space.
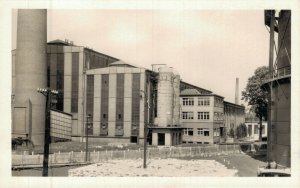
pixel 149 137
pixel 161 138
pixel 133 139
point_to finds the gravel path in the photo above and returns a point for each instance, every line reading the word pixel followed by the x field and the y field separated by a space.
pixel 155 167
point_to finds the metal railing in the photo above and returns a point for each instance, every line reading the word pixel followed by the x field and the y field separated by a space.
pixel 278 73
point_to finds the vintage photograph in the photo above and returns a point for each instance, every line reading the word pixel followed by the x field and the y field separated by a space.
pixel 151 93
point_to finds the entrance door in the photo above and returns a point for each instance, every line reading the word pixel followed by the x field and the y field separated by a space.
pixel 161 139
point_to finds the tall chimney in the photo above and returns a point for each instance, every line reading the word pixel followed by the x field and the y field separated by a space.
pixel 31 73
pixel 237 91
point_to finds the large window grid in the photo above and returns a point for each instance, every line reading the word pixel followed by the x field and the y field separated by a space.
pixel 188 132
pixel 60 81
pixel 104 104
pixel 90 100
pixel 218 116
pixel 75 81
pixel 120 105
pixel 203 115
pixel 203 101
pixel 187 115
pixel 135 111
pixel 188 101
pixel 218 102
pixel 203 131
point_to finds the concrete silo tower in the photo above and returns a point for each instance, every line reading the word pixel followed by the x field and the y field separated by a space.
pixel 31 73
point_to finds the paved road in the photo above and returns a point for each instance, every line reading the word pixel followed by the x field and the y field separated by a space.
pixel 55 172
pixel 246 166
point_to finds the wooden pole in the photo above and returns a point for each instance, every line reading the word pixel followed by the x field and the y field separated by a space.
pixel 271 56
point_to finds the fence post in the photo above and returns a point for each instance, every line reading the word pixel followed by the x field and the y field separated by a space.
pixel 191 151
pixel 124 154
pixel 233 148
pixel 111 154
pixel 98 156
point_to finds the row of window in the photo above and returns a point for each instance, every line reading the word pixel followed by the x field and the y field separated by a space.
pixel 190 101
pixel 218 116
pixel 200 132
pixel 218 102
pixel 190 115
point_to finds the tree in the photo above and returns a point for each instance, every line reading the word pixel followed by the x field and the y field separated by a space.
pixel 241 131
pixel 256 97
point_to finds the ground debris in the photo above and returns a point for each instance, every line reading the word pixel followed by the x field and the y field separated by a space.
pixel 158 168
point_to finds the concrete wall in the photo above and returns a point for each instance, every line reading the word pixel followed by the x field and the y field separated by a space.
pixel 165 97
pixel 31 70
pixel 281 124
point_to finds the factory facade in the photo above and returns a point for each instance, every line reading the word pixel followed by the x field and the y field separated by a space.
pixel 122 99
pixel 126 103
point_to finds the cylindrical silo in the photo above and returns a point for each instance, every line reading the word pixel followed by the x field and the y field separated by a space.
pixel 176 106
pixel 281 95
pixel 31 68
pixel 165 97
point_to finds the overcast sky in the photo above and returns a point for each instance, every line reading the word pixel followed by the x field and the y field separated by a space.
pixel 209 48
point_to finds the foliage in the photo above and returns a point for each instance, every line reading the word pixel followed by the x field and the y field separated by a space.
pixel 231 132
pixel 241 131
pixel 256 97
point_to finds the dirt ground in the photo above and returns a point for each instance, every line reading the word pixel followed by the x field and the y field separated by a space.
pixel 245 165
pixel 155 167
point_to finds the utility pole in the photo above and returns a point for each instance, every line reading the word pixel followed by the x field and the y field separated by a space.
pixel 49 101
pixel 271 55
pixel 87 126
pixel 146 130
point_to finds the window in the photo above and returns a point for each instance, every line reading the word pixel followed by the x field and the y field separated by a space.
pixel 187 115
pixel 203 102
pixel 218 116
pixel 255 129
pixel 203 115
pixel 216 132
pixel 75 82
pixel 203 132
pixel 263 131
pixel 188 131
pixel 188 101
pixel 218 102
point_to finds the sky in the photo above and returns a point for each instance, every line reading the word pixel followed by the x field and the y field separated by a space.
pixel 209 48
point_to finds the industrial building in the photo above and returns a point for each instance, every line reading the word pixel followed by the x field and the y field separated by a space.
pixel 206 118
pixel 278 84
pixel 201 117
pixel 234 116
pixel 122 100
